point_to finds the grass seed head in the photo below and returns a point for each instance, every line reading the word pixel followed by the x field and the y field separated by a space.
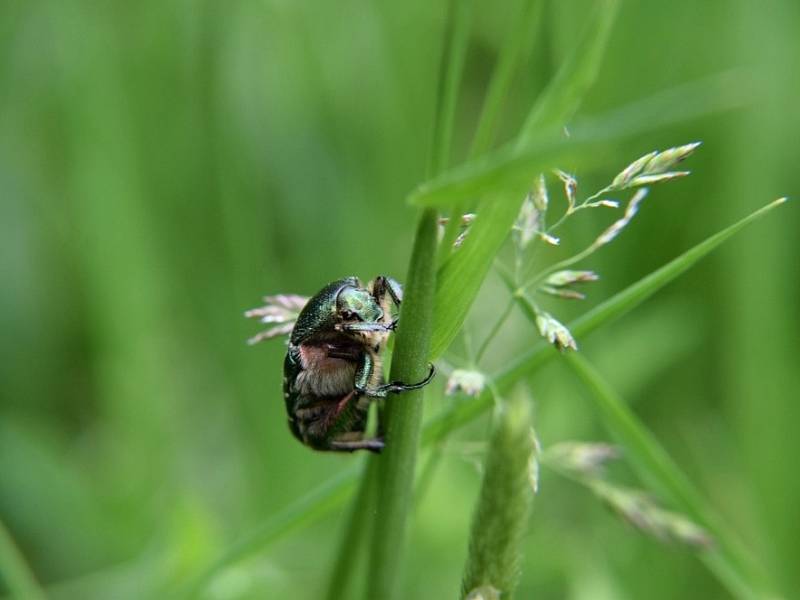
pixel 568 277
pixel 643 512
pixel 282 309
pixel 570 188
pixel 555 332
pixel 528 223
pixel 485 592
pixel 582 458
pixel 469 382
pixel 540 195
pixel 613 231
pixel 653 168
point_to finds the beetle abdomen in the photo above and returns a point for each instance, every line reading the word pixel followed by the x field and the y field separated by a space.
pixel 322 375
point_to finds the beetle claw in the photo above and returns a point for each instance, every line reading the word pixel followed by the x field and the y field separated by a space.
pixel 399 386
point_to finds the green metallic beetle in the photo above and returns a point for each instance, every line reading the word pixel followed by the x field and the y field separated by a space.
pixel 332 371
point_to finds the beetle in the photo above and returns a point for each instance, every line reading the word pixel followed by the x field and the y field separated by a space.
pixel 332 371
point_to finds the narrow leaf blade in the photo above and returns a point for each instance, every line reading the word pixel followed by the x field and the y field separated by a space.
pixel 460 278
pixel 732 565
pixel 564 94
pixel 468 410
pixel 509 167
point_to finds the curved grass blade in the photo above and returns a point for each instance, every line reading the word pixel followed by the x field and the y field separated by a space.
pixel 520 31
pixel 510 167
pixel 15 572
pixel 306 510
pixel 624 301
pixel 564 94
pixel 727 560
pixel 461 277
pixel 452 69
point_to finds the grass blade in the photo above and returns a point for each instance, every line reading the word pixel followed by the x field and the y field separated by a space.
pixel 464 412
pixel 648 285
pixel 15 572
pixel 564 94
pixel 452 69
pixel 521 29
pixel 732 565
pixel 510 167
pixel 306 510
pixel 461 277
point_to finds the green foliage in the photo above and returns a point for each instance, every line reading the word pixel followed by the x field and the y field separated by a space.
pixel 327 496
pixel 160 179
pixel 460 278
pixel 15 572
pixel 577 73
pixel 728 560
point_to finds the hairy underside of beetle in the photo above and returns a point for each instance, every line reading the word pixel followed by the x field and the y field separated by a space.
pixel 328 406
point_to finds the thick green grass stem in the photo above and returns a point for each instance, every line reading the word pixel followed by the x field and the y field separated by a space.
pixel 403 414
pixel 501 516
pixel 15 572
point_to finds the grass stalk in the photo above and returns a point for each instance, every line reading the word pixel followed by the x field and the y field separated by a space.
pixel 403 414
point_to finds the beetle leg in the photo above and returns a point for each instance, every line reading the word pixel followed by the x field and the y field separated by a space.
pixel 399 386
pixel 364 371
pixel 372 444
pixel 382 285
pixel 358 326
pixel 395 387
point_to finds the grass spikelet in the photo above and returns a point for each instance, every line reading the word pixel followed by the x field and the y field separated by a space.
pixel 501 517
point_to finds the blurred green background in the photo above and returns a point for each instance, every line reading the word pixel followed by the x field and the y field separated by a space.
pixel 165 164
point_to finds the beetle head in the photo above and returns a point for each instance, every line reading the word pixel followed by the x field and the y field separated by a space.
pixel 357 305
